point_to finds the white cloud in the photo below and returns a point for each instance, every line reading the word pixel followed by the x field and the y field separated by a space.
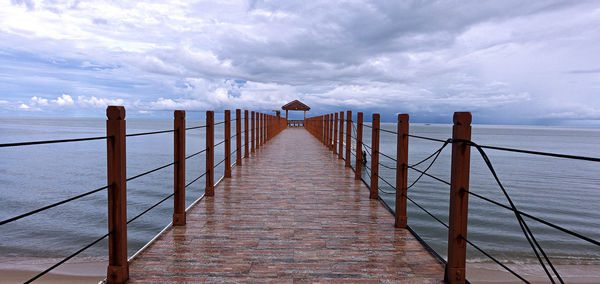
pixel 64 100
pixel 432 56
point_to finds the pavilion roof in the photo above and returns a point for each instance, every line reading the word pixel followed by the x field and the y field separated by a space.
pixel 295 105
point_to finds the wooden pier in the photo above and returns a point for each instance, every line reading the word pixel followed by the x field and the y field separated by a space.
pixel 292 213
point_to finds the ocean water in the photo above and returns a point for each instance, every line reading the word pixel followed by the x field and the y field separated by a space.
pixel 565 192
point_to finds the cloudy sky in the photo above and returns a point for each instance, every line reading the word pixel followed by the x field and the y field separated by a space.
pixel 508 62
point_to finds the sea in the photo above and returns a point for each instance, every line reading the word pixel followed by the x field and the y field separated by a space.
pixel 561 191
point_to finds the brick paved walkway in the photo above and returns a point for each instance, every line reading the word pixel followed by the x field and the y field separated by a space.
pixel 291 214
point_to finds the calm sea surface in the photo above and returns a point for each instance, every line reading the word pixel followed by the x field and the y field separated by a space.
pixel 565 192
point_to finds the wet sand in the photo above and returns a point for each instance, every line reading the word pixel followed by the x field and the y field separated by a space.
pixel 493 273
pixel 20 270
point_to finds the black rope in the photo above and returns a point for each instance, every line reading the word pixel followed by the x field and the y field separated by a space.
pixel 149 172
pixel 429 175
pixel 386 192
pixel 151 207
pixel 195 127
pixel 426 138
pixel 218 163
pixel 52 205
pixel 234 135
pixel 197 153
pixel 494 259
pixel 388 131
pixel 66 259
pixel 437 154
pixel 50 141
pixel 369 126
pixel 556 155
pixel 537 219
pixel 220 122
pixel 219 143
pixel 383 154
pixel 196 179
pixel 425 210
pixel 526 231
pixel 386 166
pixel 149 133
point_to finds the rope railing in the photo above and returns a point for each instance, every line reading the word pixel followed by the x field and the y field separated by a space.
pixel 17 144
pixel 322 129
pixel 67 258
pixel 150 133
pixel 150 208
pixel 149 172
pixel 10 220
pixel 116 152
pixel 195 127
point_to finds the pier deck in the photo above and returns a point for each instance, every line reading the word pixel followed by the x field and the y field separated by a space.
pixel 291 214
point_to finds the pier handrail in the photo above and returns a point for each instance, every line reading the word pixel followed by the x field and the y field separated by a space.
pixel 319 127
pixel 267 127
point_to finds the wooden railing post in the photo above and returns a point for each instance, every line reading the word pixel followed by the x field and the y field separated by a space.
pixel 401 171
pixel 210 153
pixel 179 168
pixel 227 173
pixel 374 193
pixel 118 268
pixel 335 132
pixel 246 133
pixel 257 132
pixel 359 156
pixel 341 139
pixel 238 137
pixel 330 144
pixel 348 137
pixel 262 129
pixel 252 133
pixel 459 187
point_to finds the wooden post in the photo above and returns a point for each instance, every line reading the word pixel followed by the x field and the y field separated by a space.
pixel 210 153
pixel 286 114
pixel 359 127
pixel 246 133
pixel 348 137
pixel 179 168
pixel 227 143
pixel 459 187
pixel 341 139
pixel 335 132
pixel 238 137
pixel 401 171
pixel 118 268
pixel 374 193
pixel 326 142
pixel 330 144
pixel 252 133
pixel 258 127
pixel 260 131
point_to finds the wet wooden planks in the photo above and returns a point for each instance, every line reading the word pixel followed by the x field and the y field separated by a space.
pixel 292 214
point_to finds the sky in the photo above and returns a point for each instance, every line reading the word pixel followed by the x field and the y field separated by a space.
pixel 507 62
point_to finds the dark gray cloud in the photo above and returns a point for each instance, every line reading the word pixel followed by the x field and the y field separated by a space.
pixel 503 60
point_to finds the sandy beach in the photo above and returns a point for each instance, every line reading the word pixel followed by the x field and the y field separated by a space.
pixel 19 271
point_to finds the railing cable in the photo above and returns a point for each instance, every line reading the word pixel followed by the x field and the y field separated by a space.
pixel 51 141
pixel 66 259
pixel 567 231
pixel 524 227
pixel 52 205
pixel 150 208
pixel 150 133
pixel 195 127
pixel 150 171
pixel 197 153
pixel 494 259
